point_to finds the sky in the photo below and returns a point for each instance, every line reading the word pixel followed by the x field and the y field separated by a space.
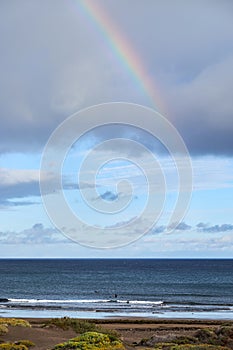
pixel 164 69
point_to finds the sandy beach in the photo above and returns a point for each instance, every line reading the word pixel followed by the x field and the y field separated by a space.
pixel 134 333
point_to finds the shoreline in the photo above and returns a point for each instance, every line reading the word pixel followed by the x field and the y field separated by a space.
pixel 102 316
pixel 104 309
pixel 133 320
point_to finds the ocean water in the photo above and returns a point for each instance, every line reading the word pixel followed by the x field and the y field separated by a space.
pixel 97 288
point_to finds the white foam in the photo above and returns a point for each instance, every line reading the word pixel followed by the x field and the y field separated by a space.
pixel 60 301
pixel 142 302
pixel 77 301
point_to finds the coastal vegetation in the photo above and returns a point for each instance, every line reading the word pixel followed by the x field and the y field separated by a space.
pixel 12 346
pixel 79 326
pixel 188 347
pixel 91 341
pixel 216 338
pixel 14 322
pixel 27 343
pixel 6 322
pixel 4 328
pixel 77 334
pixel 17 345
pixel 220 338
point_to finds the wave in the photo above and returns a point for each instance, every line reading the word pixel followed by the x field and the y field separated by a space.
pixel 58 301
pixel 120 301
pixel 108 305
pixel 139 302
pixel 111 305
pixel 181 303
pixel 86 301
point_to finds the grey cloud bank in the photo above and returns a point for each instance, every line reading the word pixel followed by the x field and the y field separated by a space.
pixel 218 228
pixel 38 234
pixel 54 61
pixel 200 227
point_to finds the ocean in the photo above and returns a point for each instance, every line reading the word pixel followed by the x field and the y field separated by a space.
pixel 99 288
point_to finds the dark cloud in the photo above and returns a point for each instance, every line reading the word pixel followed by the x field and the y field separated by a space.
pixel 53 65
pixel 203 109
pixel 130 132
pixel 47 70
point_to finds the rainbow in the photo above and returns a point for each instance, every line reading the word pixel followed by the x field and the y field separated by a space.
pixel 122 50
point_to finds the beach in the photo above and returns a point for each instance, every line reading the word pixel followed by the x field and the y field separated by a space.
pixel 134 333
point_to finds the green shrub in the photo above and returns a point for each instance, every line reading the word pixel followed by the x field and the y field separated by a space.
pixel 225 330
pixel 14 322
pixel 164 346
pixel 80 326
pixel 3 329
pixel 170 346
pixel 185 340
pixel 5 322
pixel 10 346
pixel 206 336
pixel 199 347
pixel 91 341
pixel 225 336
pixel 27 343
